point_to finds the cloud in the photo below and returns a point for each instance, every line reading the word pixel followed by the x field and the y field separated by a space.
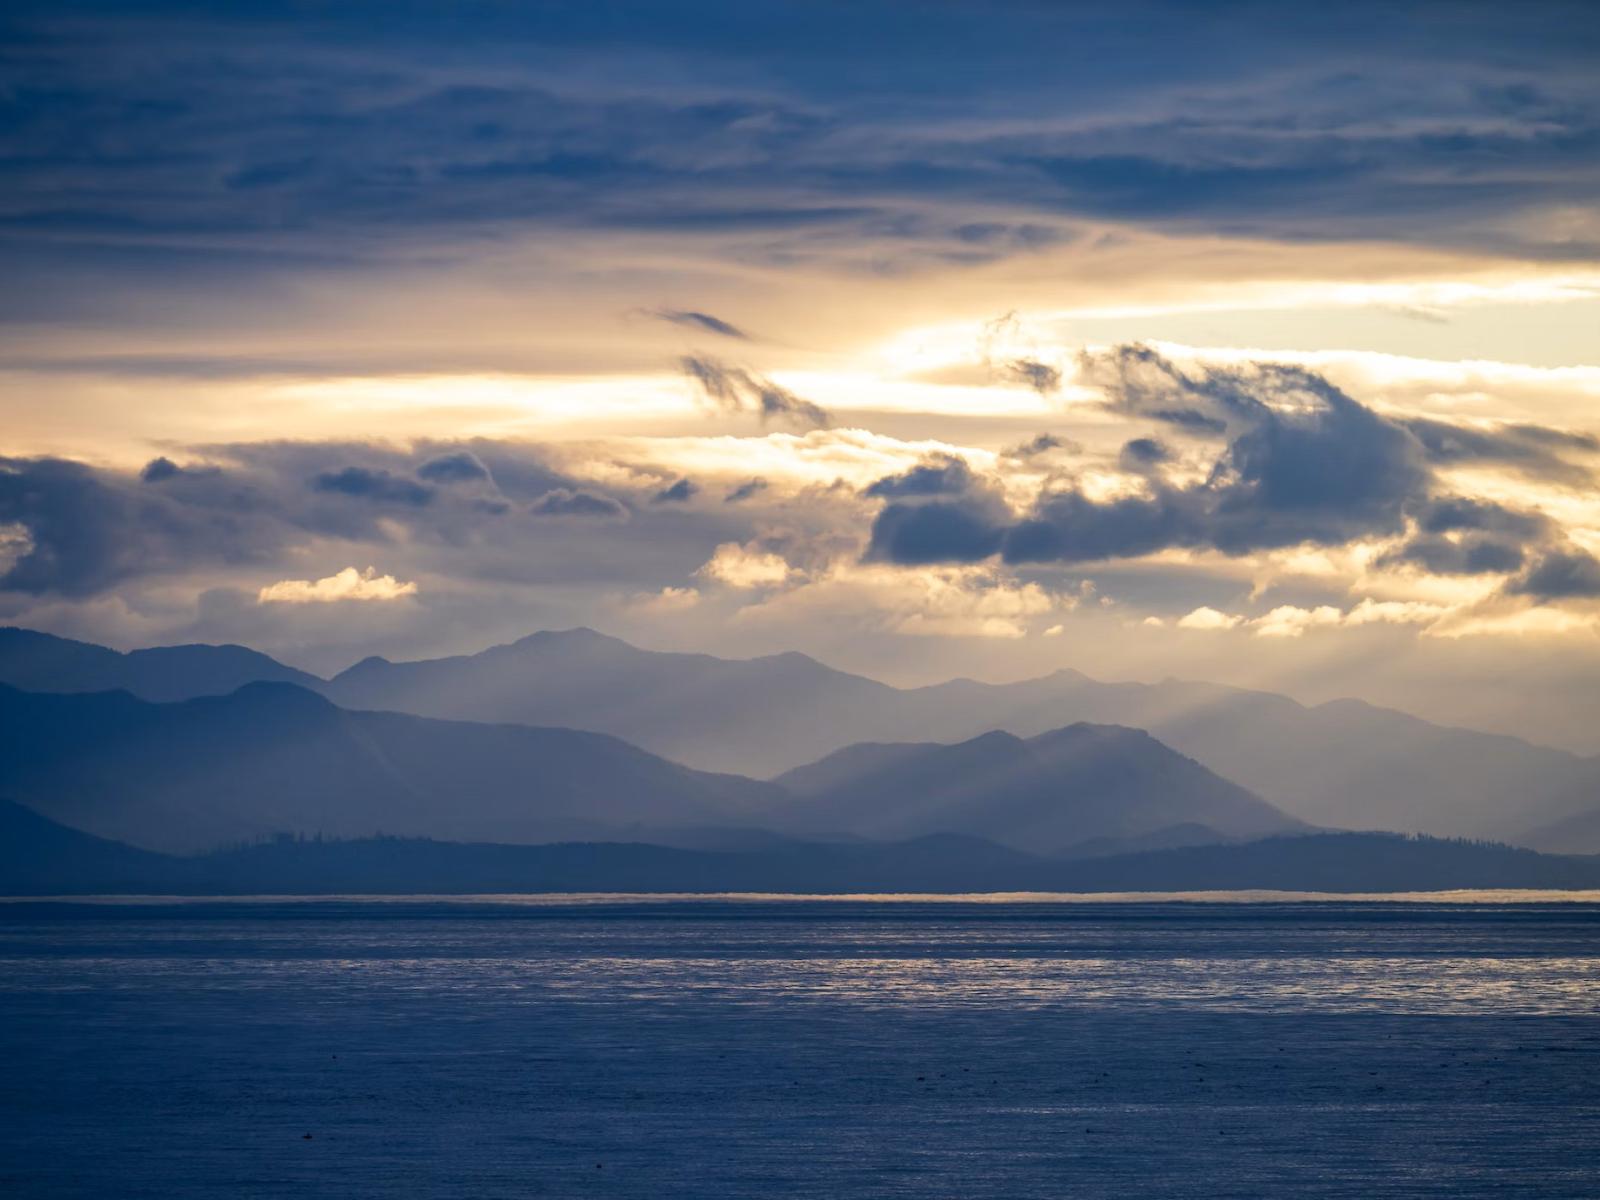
pixel 1303 465
pixel 158 469
pixel 1452 514
pixel 83 530
pixel 86 530
pixel 1288 620
pixel 935 601
pixel 937 532
pixel 1040 376
pixel 1292 621
pixel 1144 452
pixel 704 322
pixel 1461 536
pixel 1208 618
pixel 460 467
pixel 1560 575
pixel 677 493
pixel 1469 555
pixel 1534 451
pixel 680 168
pixel 745 490
pixel 745 567
pixel 348 584
pixel 1306 464
pixel 939 475
pixel 566 502
pixel 1039 444
pixel 737 390
pixel 667 600
pixel 378 486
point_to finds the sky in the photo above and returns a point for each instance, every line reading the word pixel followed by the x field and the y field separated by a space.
pixel 1245 342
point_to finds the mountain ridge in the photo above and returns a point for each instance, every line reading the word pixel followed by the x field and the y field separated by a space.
pixel 1342 764
pixel 40 858
pixel 1060 788
pixel 273 757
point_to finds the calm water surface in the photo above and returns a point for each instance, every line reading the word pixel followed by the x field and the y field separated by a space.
pixel 738 1048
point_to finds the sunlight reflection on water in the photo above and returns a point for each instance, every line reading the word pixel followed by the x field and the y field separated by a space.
pixel 659 1050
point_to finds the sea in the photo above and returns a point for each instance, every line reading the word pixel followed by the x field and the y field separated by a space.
pixel 756 1046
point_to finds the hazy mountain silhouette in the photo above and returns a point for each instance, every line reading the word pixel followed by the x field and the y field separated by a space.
pixel 1578 834
pixel 40 662
pixel 39 857
pixel 274 757
pixel 1042 794
pixel 752 716
pixel 1342 764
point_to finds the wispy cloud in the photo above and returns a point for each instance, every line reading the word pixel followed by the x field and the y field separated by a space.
pixel 735 389
pixel 701 322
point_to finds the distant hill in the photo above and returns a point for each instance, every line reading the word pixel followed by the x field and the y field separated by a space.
pixel 40 662
pixel 38 857
pixel 275 758
pixel 751 716
pixel 1578 834
pixel 1344 764
pixel 1043 794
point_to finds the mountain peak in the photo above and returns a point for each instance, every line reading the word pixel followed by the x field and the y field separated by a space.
pixel 994 739
pixel 578 636
pixel 1090 731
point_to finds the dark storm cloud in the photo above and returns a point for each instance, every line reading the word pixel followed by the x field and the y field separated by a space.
pixel 1139 381
pixel 939 511
pixel 1141 453
pixel 565 502
pixel 943 475
pixel 1460 536
pixel 940 531
pixel 158 469
pixel 735 389
pixel 1561 575
pixel 200 146
pixel 76 530
pixel 88 530
pixel 461 467
pixel 704 322
pixel 1305 464
pixel 378 486
pixel 1455 513
pixel 1471 555
pixel 677 493
pixel 1535 451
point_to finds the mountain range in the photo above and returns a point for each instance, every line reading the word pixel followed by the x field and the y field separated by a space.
pixel 1344 764
pixel 275 758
